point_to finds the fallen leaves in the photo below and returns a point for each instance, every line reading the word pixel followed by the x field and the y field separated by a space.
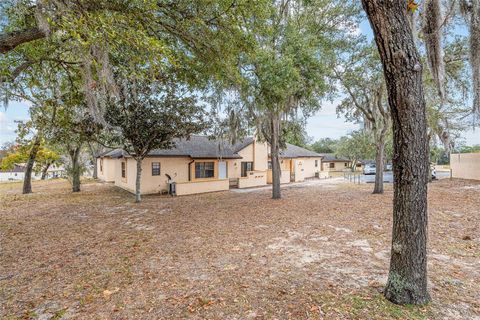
pixel 215 257
pixel 107 293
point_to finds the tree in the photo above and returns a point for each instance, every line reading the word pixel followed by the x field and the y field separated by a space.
pixel 361 77
pixel 295 133
pixel 447 81
pixel 150 115
pixel 95 149
pixel 448 116
pixel 324 145
pixel 44 158
pixel 32 146
pixel 72 130
pixel 407 280
pixel 86 33
pixel 471 11
pixel 355 147
pixel 287 74
pixel 469 149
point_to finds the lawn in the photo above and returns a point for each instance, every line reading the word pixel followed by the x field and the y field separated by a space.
pixel 321 252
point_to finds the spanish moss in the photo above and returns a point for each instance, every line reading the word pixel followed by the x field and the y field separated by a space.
pixel 433 43
pixel 471 11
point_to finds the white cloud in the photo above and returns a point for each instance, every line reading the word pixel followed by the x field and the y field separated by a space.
pixel 7 128
pixel 3 121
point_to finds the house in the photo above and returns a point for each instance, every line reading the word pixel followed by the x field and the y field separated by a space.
pixel 199 165
pixel 331 163
pixel 54 171
pixel 465 165
pixel 17 173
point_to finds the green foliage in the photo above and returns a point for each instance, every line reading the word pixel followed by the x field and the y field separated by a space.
pixel 150 115
pixel 20 153
pixel 356 146
pixel 289 70
pixel 469 149
pixel 438 155
pixel 448 118
pixel 294 133
pixel 201 39
pixel 325 145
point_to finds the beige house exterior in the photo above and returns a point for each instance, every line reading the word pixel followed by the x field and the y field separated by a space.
pixel 200 165
pixel 330 163
pixel 106 168
pixel 465 165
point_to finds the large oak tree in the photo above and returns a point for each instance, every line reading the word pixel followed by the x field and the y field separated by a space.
pixel 407 280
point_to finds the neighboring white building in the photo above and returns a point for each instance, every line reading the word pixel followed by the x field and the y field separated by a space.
pixel 17 173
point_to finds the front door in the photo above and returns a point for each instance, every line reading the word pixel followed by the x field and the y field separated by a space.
pixel 222 170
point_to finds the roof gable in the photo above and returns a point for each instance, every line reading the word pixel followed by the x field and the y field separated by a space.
pixel 293 151
pixel 198 147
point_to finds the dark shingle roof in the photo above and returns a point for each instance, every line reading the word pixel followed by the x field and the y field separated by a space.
pixel 241 144
pixel 330 157
pixel 115 153
pixel 16 168
pixel 194 147
pixel 293 151
pixel 203 147
pixel 199 147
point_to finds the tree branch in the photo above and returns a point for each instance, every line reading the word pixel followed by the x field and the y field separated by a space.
pixel 10 40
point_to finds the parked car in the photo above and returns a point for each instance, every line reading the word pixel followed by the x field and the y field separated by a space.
pixel 369 169
pixel 388 167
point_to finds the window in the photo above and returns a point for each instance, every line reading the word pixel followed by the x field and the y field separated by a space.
pixel 269 165
pixel 316 163
pixel 204 170
pixel 101 165
pixel 155 168
pixel 332 165
pixel 246 166
pixel 124 169
pixel 346 164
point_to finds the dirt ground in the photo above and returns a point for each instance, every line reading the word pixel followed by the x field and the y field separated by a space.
pixel 321 252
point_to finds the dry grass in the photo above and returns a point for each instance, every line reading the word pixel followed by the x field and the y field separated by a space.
pixel 321 252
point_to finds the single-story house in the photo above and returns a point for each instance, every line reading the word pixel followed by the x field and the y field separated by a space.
pixel 18 173
pixel 332 163
pixel 465 165
pixel 15 174
pixel 200 164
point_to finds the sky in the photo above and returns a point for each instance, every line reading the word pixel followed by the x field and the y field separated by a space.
pixel 323 124
pixel 326 123
pixel 15 111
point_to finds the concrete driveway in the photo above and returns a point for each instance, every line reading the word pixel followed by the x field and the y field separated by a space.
pixel 388 177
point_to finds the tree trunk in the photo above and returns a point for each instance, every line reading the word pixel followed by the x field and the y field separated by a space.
pixel 27 180
pixel 45 170
pixel 379 164
pixel 94 161
pixel 354 165
pixel 10 40
pixel 74 154
pixel 95 170
pixel 407 280
pixel 138 196
pixel 275 155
